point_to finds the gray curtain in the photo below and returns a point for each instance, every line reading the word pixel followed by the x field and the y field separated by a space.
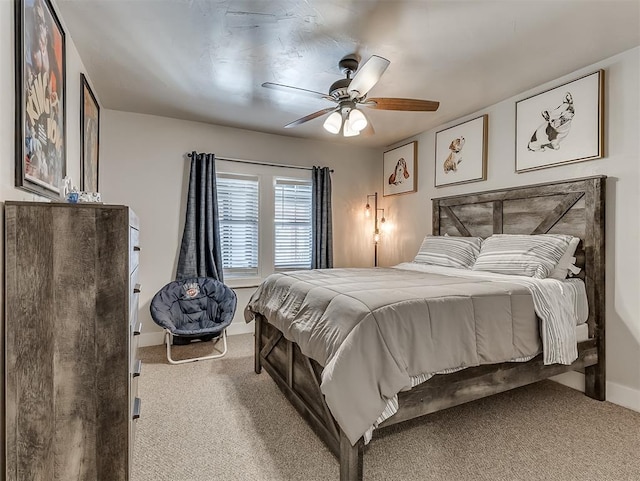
pixel 322 231
pixel 200 254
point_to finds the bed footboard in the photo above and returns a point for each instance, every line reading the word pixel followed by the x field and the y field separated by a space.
pixel 298 377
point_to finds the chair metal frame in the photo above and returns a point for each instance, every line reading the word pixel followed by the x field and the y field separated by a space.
pixel 168 339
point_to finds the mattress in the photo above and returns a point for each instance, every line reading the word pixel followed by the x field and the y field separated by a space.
pixel 582 332
pixel 575 288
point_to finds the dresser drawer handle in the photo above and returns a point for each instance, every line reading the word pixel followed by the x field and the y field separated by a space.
pixel 136 289
pixel 138 368
pixel 138 329
pixel 136 248
pixel 137 406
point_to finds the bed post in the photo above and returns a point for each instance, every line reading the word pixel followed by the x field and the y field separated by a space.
pixel 258 344
pixel 595 376
pixel 350 459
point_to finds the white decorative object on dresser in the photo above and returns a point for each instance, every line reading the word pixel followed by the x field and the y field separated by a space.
pixel 71 329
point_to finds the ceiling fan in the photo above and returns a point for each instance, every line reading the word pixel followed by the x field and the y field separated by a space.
pixel 350 92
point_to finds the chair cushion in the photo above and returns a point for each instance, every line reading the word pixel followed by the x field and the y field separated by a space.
pixel 193 307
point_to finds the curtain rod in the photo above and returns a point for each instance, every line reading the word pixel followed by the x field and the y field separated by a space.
pixel 256 162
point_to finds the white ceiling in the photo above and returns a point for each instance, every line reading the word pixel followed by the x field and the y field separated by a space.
pixel 205 60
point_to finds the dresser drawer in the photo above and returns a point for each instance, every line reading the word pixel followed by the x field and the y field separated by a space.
pixel 134 392
pixel 134 248
pixel 134 295
pixel 136 412
pixel 136 368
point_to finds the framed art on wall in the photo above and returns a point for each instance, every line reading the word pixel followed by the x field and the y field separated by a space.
pixel 89 137
pixel 461 153
pixel 399 169
pixel 561 125
pixel 40 98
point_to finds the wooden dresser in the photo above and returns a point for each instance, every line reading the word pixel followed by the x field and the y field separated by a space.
pixel 71 326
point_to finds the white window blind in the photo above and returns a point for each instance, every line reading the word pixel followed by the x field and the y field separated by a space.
pixel 238 208
pixel 292 224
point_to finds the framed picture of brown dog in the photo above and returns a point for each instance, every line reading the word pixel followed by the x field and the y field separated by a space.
pixel 399 168
pixel 461 152
pixel 561 125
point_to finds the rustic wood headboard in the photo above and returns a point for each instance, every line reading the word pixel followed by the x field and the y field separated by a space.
pixel 573 207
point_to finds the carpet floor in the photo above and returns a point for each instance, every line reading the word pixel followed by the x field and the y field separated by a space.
pixel 218 420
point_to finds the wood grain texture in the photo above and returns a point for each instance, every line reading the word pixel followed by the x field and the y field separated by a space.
pixel 112 352
pixel 275 365
pixel 595 376
pixel 74 277
pixel 67 329
pixel 448 390
pixel 30 354
pixel 351 459
pixel 257 367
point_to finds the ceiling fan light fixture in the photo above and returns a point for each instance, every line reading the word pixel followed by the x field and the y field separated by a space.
pixel 333 123
pixel 348 93
pixel 357 120
pixel 348 131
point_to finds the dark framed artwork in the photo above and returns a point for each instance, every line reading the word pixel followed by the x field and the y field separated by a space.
pixel 400 169
pixel 89 137
pixel 561 125
pixel 40 98
pixel 461 153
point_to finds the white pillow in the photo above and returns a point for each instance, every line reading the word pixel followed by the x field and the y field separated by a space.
pixel 449 251
pixel 567 262
pixel 522 255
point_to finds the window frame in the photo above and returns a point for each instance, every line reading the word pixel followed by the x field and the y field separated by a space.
pixel 237 273
pixel 267 176
pixel 293 181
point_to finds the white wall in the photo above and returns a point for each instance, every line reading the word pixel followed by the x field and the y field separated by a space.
pixel 143 164
pixel 622 166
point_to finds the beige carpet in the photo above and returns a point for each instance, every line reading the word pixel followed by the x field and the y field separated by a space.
pixel 218 420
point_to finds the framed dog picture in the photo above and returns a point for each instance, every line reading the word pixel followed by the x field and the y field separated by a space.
pixel 461 153
pixel 561 125
pixel 400 169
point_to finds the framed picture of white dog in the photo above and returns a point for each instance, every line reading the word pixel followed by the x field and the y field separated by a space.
pixel 399 168
pixel 461 153
pixel 561 125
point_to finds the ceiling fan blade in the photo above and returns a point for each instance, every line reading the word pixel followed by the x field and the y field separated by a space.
pixel 367 76
pixel 297 90
pixel 415 105
pixel 312 116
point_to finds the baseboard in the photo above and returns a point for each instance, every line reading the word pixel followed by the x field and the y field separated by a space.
pixel 157 338
pixel 616 393
pixel 623 396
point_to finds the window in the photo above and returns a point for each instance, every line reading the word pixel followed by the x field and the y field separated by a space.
pixel 238 206
pixel 292 241
pixel 265 220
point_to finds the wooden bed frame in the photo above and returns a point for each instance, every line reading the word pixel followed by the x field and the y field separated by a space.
pixel 571 207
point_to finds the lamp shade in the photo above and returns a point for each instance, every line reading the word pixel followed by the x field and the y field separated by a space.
pixel 333 123
pixel 357 121
pixel 349 132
